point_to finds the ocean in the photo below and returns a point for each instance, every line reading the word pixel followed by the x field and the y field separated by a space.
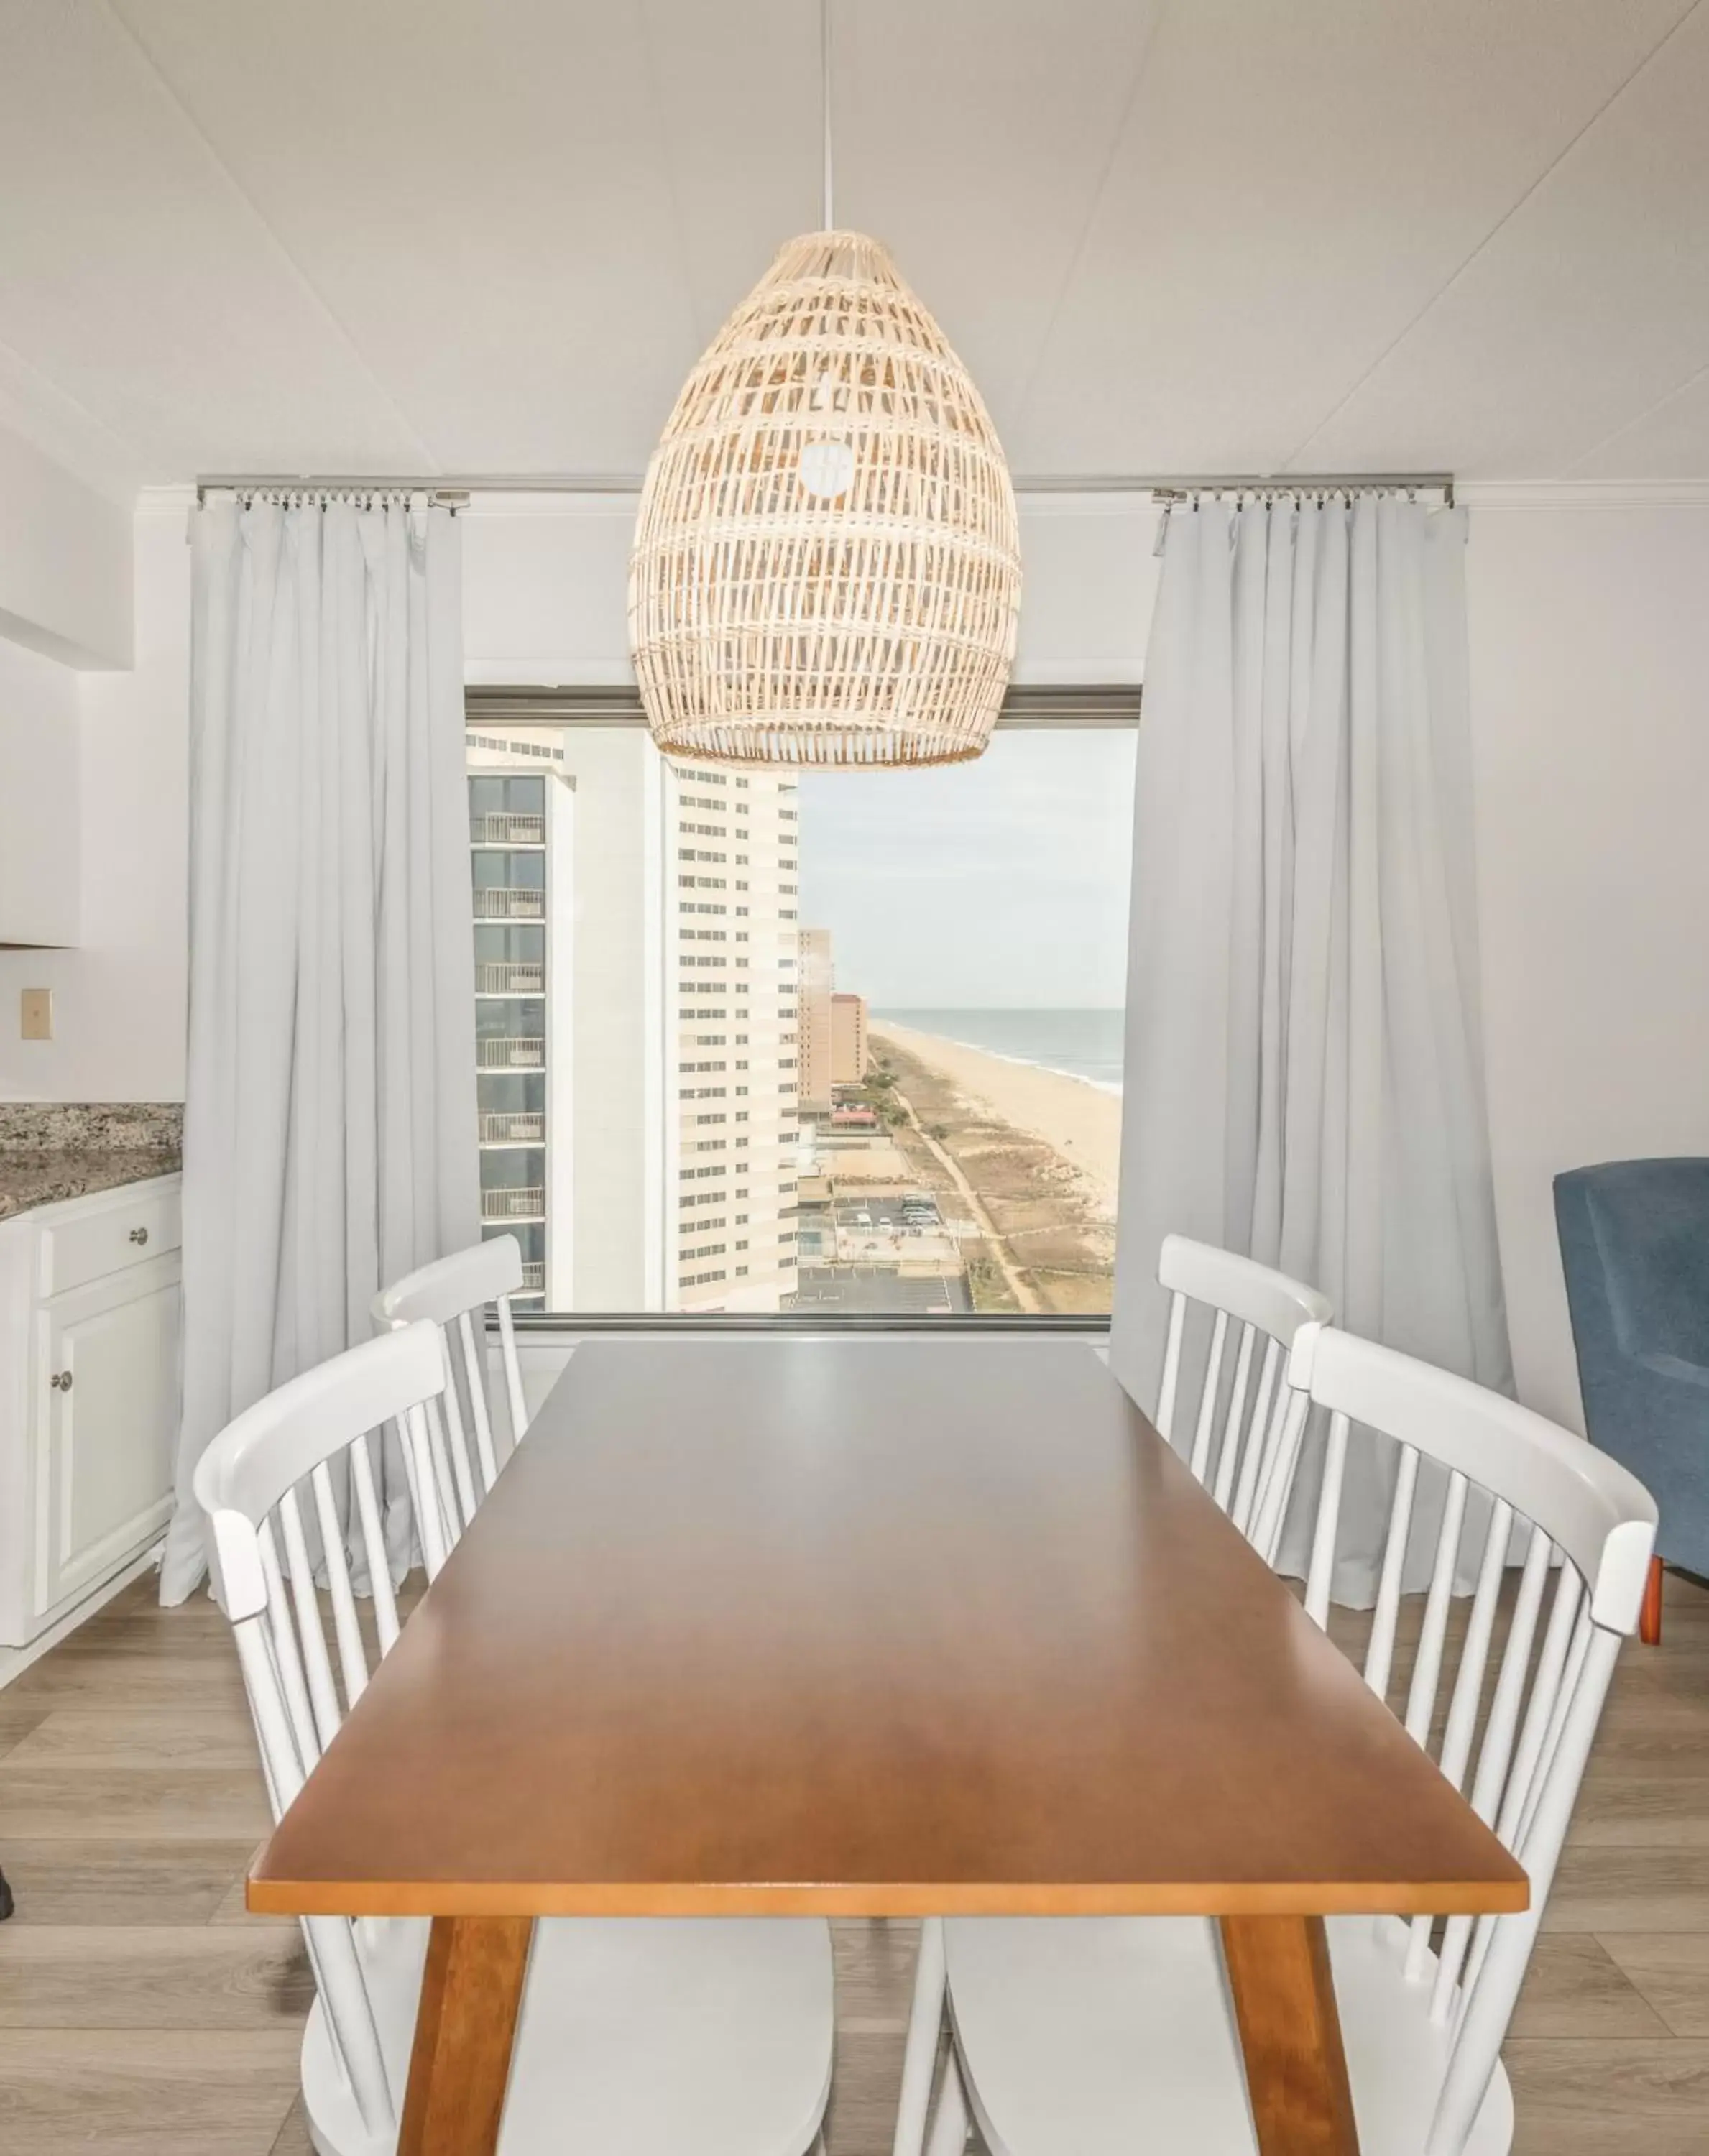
pixel 1084 1043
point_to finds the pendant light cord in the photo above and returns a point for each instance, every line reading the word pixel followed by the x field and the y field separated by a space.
pixel 824 61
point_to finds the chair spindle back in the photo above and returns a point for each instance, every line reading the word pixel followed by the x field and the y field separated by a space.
pixel 452 1294
pixel 1510 1696
pixel 1248 1426
pixel 288 1451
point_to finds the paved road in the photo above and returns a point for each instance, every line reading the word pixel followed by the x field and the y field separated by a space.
pixel 1022 1289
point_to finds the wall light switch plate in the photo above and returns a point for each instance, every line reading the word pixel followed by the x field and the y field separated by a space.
pixel 36 1014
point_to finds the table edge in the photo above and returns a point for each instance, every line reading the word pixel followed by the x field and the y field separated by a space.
pixel 284 1897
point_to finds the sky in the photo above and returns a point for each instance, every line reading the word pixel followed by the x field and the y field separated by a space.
pixel 996 885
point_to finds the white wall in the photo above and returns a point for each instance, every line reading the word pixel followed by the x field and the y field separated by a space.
pixel 546 578
pixel 64 561
pixel 1590 698
pixel 119 998
pixel 544 589
pixel 1589 630
pixel 40 828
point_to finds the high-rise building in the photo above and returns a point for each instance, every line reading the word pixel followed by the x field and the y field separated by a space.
pixel 521 831
pixel 615 1090
pixel 572 1086
pixel 848 1053
pixel 732 967
pixel 638 1013
pixel 815 1026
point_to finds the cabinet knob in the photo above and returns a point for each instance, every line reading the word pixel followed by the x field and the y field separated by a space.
pixel 61 1381
pixel 138 1236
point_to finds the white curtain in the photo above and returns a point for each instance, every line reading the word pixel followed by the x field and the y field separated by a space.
pixel 1304 1072
pixel 329 1133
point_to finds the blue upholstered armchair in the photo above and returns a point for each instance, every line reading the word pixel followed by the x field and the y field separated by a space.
pixel 1634 1243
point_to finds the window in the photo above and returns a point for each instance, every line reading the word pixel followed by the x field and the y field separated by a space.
pixel 939 958
pixel 960 1024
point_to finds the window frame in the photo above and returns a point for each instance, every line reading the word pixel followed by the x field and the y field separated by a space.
pixel 1040 707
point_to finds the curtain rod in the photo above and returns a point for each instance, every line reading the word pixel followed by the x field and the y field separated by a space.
pixel 1024 704
pixel 454 490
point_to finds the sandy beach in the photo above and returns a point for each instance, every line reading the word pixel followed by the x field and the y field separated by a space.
pixel 1078 1122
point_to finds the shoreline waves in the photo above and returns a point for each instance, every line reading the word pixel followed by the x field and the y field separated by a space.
pixel 1081 1044
pixel 1079 1119
pixel 908 1034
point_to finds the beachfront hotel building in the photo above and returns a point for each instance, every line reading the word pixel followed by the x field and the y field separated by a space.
pixel 816 977
pixel 734 975
pixel 638 1018
pixel 848 1047
pixel 834 1045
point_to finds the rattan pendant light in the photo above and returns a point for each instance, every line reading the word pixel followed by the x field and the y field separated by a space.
pixel 826 567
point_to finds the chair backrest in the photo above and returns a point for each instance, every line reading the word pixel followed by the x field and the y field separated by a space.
pixel 1246 1437
pixel 1523 1739
pixel 452 1293
pixel 247 1484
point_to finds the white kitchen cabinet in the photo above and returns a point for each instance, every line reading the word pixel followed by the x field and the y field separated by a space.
pixel 104 1444
pixel 89 1320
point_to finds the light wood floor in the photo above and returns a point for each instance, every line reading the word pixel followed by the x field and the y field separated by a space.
pixel 144 2014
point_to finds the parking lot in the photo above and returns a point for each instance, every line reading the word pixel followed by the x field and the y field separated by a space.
pixel 885 1213
pixel 867 1227
pixel 878 1291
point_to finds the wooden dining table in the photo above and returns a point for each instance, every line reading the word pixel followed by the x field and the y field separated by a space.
pixel 876 1626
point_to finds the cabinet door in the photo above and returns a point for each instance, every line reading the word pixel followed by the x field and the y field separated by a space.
pixel 107 1378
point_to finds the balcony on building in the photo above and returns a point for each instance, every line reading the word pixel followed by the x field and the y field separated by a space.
pixel 509 977
pixel 506 828
pixel 521 1202
pixel 509 878
pixel 509 902
pixel 513 1127
pixel 515 1051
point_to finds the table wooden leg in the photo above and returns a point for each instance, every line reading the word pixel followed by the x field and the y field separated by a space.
pixel 459 2070
pixel 1290 2034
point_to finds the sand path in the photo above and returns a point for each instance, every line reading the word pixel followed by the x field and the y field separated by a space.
pixel 1080 1122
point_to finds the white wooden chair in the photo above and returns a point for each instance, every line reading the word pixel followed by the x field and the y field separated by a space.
pixel 1073 2035
pixel 453 1293
pixel 647 2037
pixel 1246 1439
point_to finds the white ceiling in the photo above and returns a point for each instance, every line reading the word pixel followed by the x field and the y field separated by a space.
pixel 489 236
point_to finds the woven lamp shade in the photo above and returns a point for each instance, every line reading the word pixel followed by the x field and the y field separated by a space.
pixel 826 567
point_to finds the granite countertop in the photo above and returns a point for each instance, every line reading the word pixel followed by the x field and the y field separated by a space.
pixel 52 1150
